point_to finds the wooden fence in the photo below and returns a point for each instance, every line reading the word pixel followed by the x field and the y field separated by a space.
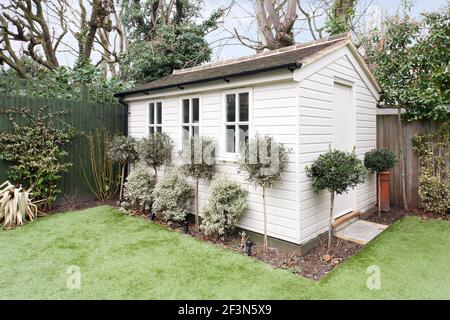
pixel 85 116
pixel 387 137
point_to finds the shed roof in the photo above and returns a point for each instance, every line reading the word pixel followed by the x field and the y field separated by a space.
pixel 289 57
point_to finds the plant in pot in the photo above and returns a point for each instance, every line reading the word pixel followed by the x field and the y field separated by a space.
pixel 380 162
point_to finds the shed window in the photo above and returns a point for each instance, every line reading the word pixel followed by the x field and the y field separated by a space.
pixel 190 115
pixel 155 117
pixel 237 121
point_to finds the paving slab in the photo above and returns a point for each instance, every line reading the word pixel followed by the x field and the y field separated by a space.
pixel 360 231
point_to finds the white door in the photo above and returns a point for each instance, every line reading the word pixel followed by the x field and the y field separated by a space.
pixel 344 139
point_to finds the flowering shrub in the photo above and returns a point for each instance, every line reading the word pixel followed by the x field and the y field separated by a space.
pixel 225 205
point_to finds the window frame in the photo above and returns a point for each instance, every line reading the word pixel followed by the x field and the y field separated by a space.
pixel 154 125
pixel 189 124
pixel 232 156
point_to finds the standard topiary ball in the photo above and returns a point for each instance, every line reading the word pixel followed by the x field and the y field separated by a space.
pixel 138 189
pixel 225 205
pixel 336 171
pixel 172 197
pixel 122 149
pixel 379 160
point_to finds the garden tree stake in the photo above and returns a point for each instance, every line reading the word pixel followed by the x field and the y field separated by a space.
pixel 263 161
pixel 331 220
pixel 402 156
pixel 198 162
pixel 335 171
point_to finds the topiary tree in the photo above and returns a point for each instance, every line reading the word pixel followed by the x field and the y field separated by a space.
pixel 122 149
pixel 377 161
pixel 172 197
pixel 225 205
pixel 336 171
pixel 138 189
pixel 198 162
pixel 263 161
pixel 156 151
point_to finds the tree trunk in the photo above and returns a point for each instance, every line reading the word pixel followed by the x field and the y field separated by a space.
pixel 379 195
pixel 265 220
pixel 402 157
pixel 121 182
pixel 197 218
pixel 330 223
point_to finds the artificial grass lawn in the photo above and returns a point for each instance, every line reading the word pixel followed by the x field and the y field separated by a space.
pixel 123 257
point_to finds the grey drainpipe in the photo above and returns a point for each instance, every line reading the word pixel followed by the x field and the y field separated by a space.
pixel 125 118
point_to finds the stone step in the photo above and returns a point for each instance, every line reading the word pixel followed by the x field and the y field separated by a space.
pixel 360 231
pixel 346 219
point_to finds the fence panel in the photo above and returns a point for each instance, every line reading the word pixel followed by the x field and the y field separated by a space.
pixel 85 116
pixel 387 137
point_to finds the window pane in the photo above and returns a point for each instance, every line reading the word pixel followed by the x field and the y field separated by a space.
pixel 195 131
pixel 159 129
pixel 243 106
pixel 230 135
pixel 152 113
pixel 186 111
pixel 185 133
pixel 152 130
pixel 159 112
pixel 231 108
pixel 195 110
pixel 243 135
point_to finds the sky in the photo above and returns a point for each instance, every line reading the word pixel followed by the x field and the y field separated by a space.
pixel 240 18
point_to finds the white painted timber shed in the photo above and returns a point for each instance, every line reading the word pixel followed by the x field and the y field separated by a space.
pixel 307 96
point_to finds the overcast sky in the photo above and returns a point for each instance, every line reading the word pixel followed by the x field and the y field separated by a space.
pixel 241 19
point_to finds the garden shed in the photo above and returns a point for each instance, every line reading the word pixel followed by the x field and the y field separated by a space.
pixel 308 97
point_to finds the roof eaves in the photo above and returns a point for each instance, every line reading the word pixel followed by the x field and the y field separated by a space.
pixel 290 66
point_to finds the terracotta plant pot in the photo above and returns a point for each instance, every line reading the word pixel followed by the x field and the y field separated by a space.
pixel 385 201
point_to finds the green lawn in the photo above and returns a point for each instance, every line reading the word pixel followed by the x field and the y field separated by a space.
pixel 122 257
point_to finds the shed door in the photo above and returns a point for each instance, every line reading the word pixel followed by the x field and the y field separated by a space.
pixel 344 139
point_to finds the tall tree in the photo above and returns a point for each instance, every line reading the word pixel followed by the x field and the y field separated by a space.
pixel 163 36
pixel 410 60
pixel 340 16
pixel 275 20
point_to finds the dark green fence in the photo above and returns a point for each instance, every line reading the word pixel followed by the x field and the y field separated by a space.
pixel 85 116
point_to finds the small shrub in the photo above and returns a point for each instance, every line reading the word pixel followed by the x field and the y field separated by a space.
pixel 101 174
pixel 16 206
pixel 433 149
pixel 138 189
pixel 379 160
pixel 172 197
pixel 35 151
pixel 156 150
pixel 225 205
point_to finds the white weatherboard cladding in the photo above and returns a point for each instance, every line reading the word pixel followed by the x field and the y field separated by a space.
pixel 299 114
pixel 272 106
pixel 316 101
